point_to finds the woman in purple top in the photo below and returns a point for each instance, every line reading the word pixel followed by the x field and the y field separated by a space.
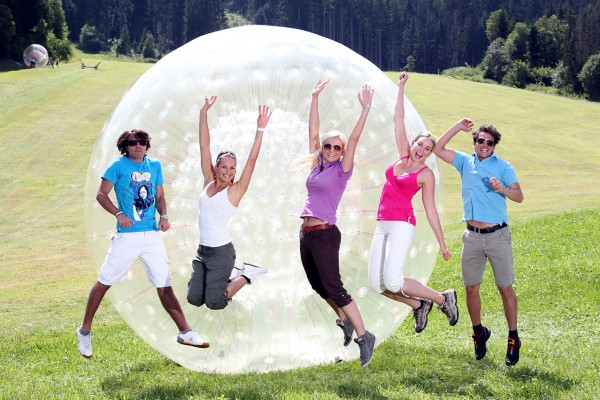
pixel 332 163
pixel 396 224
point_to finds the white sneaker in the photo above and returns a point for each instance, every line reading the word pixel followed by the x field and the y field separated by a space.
pixel 252 272
pixel 192 339
pixel 84 344
pixel 235 272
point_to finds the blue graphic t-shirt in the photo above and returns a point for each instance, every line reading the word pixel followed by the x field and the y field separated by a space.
pixel 135 186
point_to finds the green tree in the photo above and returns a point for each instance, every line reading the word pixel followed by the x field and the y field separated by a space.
pixel 561 78
pixel 202 17
pixel 58 49
pixel 518 75
pixel 517 42
pixel 496 61
pixel 410 63
pixel 149 46
pixel 497 25
pixel 90 40
pixel 587 32
pixel 124 42
pixel 589 76
pixel 7 29
pixel 551 41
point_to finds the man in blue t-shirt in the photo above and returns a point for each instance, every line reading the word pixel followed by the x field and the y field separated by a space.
pixel 137 181
pixel 487 181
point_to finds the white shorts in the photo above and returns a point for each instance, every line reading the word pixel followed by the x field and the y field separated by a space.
pixel 125 248
pixel 391 242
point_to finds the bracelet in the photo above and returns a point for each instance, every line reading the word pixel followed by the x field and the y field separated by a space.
pixel 260 129
pixel 164 217
pixel 119 213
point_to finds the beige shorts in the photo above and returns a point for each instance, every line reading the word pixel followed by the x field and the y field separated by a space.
pixel 480 247
pixel 126 248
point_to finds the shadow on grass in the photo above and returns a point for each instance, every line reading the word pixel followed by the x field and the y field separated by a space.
pixel 458 375
pixel 488 378
pixel 145 381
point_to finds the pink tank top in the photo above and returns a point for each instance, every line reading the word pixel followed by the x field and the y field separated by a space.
pixel 395 203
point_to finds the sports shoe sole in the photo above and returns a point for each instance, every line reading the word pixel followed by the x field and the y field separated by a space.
pixel 429 306
pixel 454 303
pixel 204 345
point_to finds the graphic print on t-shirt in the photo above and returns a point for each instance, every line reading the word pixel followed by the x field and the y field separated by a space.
pixel 142 193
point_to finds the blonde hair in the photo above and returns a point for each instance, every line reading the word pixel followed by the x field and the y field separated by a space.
pixel 313 159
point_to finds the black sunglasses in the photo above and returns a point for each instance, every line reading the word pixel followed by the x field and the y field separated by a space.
pixel 135 142
pixel 329 146
pixel 490 143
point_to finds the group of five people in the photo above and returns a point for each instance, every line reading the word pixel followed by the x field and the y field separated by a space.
pixel 487 181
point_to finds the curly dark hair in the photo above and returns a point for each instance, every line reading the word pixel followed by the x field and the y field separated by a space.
pixel 124 138
pixel 490 130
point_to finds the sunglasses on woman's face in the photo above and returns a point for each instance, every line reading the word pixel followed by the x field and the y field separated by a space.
pixel 135 142
pixel 329 146
pixel 486 141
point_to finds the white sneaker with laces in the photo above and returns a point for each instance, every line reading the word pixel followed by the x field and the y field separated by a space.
pixel 252 272
pixel 191 338
pixel 84 344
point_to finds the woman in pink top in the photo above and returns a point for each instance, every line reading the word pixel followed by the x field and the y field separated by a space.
pixel 396 224
pixel 332 163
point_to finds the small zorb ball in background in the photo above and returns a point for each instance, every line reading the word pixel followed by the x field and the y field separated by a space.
pixel 35 55
pixel 278 322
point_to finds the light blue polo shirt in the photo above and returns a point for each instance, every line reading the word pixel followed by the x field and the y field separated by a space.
pixel 480 201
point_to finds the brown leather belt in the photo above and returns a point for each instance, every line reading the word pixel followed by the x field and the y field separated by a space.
pixel 309 229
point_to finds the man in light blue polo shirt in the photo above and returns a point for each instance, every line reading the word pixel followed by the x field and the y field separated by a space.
pixel 487 181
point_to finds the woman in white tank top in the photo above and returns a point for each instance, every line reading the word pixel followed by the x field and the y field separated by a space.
pixel 212 282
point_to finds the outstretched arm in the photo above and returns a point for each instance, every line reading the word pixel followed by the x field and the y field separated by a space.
pixel 365 97
pixel 238 189
pixel 208 170
pixel 440 150
pixel 314 141
pixel 431 211
pixel 399 127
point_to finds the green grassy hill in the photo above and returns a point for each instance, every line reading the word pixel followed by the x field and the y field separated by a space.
pixel 49 121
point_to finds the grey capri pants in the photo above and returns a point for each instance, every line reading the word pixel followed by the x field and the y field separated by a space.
pixel 210 275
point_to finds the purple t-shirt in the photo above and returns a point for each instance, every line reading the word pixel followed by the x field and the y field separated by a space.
pixel 325 185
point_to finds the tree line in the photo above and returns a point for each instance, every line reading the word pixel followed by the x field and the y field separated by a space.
pixel 517 42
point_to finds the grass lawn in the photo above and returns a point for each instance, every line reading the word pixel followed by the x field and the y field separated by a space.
pixel 50 119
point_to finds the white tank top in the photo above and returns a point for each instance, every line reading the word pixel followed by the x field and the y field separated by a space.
pixel 213 214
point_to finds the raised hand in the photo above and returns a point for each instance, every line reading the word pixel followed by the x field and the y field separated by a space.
pixel 208 102
pixel 264 114
pixel 402 78
pixel 465 124
pixel 320 86
pixel 365 96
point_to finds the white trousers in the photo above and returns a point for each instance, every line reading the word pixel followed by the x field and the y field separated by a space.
pixel 391 242
pixel 125 248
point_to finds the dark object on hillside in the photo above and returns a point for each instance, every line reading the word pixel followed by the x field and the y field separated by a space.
pixel 83 66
